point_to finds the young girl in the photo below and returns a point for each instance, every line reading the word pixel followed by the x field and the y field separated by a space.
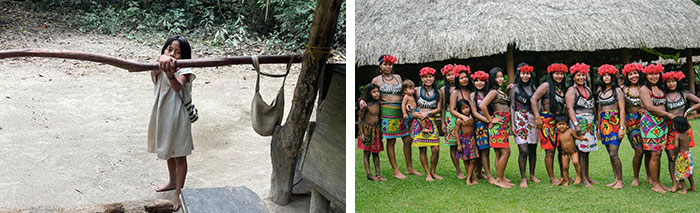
pixel 429 104
pixel 369 139
pixel 169 129
pixel 633 107
pixel 611 107
pixel 481 88
pixel 499 124
pixel 466 145
pixel 684 158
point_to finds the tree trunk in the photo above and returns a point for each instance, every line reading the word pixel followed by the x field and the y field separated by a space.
pixel 287 139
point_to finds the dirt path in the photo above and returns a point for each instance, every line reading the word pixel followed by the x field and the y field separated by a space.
pixel 74 132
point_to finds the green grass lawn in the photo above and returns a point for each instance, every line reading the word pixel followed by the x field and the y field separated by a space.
pixel 451 194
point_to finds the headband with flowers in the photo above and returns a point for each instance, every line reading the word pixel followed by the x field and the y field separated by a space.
pixel 557 68
pixel 447 68
pixel 526 68
pixel 427 70
pixel 677 75
pixel 653 69
pixel 461 68
pixel 607 69
pixel 388 58
pixel 480 75
pixel 580 67
pixel 631 68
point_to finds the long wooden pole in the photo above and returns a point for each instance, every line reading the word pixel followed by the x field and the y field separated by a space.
pixel 287 139
pixel 139 67
pixel 510 66
pixel 691 71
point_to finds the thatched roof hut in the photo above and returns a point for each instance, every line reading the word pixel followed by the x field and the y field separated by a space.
pixel 420 32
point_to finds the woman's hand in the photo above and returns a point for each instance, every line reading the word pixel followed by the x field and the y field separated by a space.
pixel 538 123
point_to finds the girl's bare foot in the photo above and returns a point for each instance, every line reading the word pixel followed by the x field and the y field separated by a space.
pixel 381 178
pixel 468 182
pixel 507 180
pixel 502 184
pixel 665 188
pixel 480 175
pixel 428 177
pixel 176 203
pixel 693 189
pixel 554 181
pixel 491 180
pixel 534 179
pixel 577 181
pixel 398 175
pixel 413 172
pixel 474 181
pixel 682 191
pixel 586 185
pixel 635 182
pixel 523 183
pixel 619 185
pixel 461 176
pixel 649 180
pixel 590 180
pixel 658 188
pixel 674 187
pixel 437 176
pixel 372 178
pixel 166 187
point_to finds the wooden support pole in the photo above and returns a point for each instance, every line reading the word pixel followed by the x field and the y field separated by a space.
pixel 510 66
pixel 691 71
pixel 287 139
pixel 626 56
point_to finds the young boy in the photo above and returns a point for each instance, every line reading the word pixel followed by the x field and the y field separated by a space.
pixel 466 144
pixel 408 104
pixel 369 139
pixel 566 137
pixel 684 158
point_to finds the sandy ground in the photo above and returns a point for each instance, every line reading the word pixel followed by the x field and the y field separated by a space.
pixel 74 132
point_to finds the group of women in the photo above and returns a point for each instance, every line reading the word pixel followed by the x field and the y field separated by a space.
pixel 638 103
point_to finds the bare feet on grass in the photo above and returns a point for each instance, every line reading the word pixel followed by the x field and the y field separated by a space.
pixel 503 184
pixel 523 183
pixel 577 181
pixel 554 181
pixel 398 175
pixel 666 188
pixel 413 172
pixel 658 188
pixel 534 179
pixel 611 184
pixel 491 180
pixel 372 178
pixel 587 185
pixel 474 181
pixel 635 182
pixel 428 177
pixel 619 185
pixel 166 187
pixel 682 191
pixel 693 189
pixel 461 176
pixel 436 176
pixel 380 178
pixel 590 180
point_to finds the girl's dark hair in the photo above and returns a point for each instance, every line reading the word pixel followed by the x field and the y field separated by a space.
pixel 561 117
pixel 422 86
pixel 461 103
pixel 613 83
pixel 367 94
pixel 678 85
pixel 680 124
pixel 553 106
pixel 639 82
pixel 484 90
pixel 492 77
pixel 185 50
pixel 521 85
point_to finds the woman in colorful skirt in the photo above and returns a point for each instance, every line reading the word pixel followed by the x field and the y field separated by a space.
pixel 677 103
pixel 580 105
pixel 525 133
pixel 481 88
pixel 392 122
pixel 551 96
pixel 633 107
pixel 499 123
pixel 611 105
pixel 653 122
pixel 448 119
pixel 429 103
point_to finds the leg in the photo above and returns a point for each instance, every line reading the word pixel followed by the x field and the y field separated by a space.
pixel 392 157
pixel 501 162
pixel 683 189
pixel 647 157
pixel 565 159
pixel 612 163
pixel 636 164
pixel 582 156
pixel 588 172
pixel 365 161
pixel 548 161
pixel 484 156
pixel 434 160
pixel 617 166
pixel 692 183
pixel 181 173
pixel 472 165
pixel 533 161
pixel 171 182
pixel 375 158
pixel 424 162
pixel 470 170
pixel 522 163
pixel 654 170
pixel 559 160
pixel 407 152
pixel 477 169
pixel 577 166
pixel 671 169
pixel 455 161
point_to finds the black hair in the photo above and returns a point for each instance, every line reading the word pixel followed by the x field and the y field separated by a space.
pixel 446 100
pixel 367 94
pixel 519 82
pixel 492 77
pixel 645 82
pixel 553 85
pixel 437 90
pixel 639 82
pixel 185 49
pixel 560 118
pixel 461 103
pixel 678 86
pixel 680 124
pixel 613 83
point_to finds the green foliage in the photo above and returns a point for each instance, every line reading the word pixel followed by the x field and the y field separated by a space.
pixel 675 57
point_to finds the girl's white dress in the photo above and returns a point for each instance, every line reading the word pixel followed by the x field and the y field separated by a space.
pixel 169 129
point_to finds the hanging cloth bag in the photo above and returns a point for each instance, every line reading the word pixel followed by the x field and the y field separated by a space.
pixel 265 117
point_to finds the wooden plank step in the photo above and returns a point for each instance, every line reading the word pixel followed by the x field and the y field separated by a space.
pixel 221 199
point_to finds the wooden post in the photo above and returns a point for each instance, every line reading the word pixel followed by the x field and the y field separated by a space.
pixel 626 56
pixel 287 139
pixel 510 67
pixel 319 203
pixel 691 71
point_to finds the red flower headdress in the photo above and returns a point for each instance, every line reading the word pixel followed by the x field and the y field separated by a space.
pixel 461 68
pixel 607 69
pixel 653 68
pixel 631 68
pixel 427 70
pixel 480 75
pixel 557 68
pixel 677 75
pixel 580 67
pixel 389 59
pixel 526 68
pixel 447 68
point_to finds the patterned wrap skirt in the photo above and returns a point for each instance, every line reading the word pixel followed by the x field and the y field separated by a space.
pixel 482 134
pixel 423 139
pixel 548 133
pixel 672 136
pixel 609 127
pixel 684 165
pixel 588 129
pixel 654 132
pixel 451 134
pixel 393 124
pixel 634 133
pixel 372 140
pixel 498 134
pixel 469 149
pixel 525 131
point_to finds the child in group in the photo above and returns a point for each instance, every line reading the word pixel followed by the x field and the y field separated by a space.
pixel 684 158
pixel 566 137
pixel 466 143
pixel 409 105
pixel 369 140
